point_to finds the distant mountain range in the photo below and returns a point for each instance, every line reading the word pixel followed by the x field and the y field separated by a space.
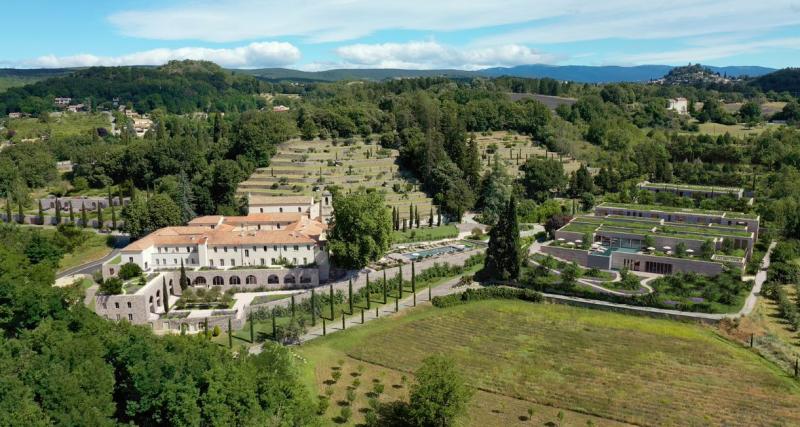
pixel 609 74
pixel 576 73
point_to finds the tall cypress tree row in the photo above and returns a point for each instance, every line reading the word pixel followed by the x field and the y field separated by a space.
pixel 430 218
pixel 71 213
pixel 41 213
pixel 350 297
pixel 99 217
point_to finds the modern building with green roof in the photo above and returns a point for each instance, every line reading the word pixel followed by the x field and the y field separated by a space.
pixel 657 239
pixel 692 191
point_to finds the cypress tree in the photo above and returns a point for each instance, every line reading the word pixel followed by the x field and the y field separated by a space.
pixel 84 216
pixel 41 213
pixel 414 283
pixel 384 287
pixel 165 293
pixel 274 326
pixel 350 296
pixel 503 253
pixel 400 282
pixel 205 327
pixel 230 334
pixel 71 213
pixel 343 321
pixel 416 215
pixel 438 217
pixel 99 217
pixel 331 300
pixel 313 308
pixel 58 212
pixel 21 213
pixel 411 215
pixel 110 197
pixel 430 218
pixel 293 307
pixel 324 329
pixel 9 216
pixel 404 225
pixel 184 281
pixel 368 292
pixel 113 218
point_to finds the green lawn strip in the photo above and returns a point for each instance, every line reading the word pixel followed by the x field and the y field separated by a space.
pixel 95 247
pixel 637 369
pixel 425 233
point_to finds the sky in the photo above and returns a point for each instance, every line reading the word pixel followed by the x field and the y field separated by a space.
pixel 465 34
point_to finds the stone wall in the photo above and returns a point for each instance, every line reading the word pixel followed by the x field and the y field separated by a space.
pixel 580 256
pixel 679 265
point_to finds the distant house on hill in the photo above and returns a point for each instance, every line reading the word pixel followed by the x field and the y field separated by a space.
pixel 62 102
pixel 679 105
pixel 280 108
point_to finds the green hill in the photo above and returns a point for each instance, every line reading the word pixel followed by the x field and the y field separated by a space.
pixel 785 80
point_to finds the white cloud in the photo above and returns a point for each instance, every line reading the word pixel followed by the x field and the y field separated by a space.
pixel 264 54
pixel 540 21
pixel 710 52
pixel 430 54
pixel 659 19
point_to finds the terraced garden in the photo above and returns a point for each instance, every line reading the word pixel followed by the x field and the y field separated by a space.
pixel 307 167
pixel 514 150
pixel 609 367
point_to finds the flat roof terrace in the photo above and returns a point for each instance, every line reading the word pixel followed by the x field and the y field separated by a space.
pixel 677 210
pixel 594 224
pixel 690 187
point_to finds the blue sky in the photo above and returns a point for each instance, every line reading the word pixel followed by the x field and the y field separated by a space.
pixel 472 34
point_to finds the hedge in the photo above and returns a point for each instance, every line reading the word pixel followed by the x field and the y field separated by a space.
pixel 485 294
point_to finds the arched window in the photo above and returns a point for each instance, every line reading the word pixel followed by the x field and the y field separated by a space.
pixel 273 279
pixel 305 279
pixel 235 280
pixel 200 280
pixel 250 280
pixel 218 281
pixel 289 279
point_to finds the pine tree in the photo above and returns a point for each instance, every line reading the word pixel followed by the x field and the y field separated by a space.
pixel 503 255
pixel 84 216
pixel 41 213
pixel 183 281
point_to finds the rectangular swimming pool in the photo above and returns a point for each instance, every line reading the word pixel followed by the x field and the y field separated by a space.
pixel 427 253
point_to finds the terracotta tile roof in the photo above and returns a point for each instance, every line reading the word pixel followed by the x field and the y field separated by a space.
pixel 206 220
pixel 302 231
pixel 263 218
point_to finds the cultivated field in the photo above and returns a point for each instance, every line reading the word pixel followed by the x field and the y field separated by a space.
pixel 605 367
pixel 68 124
pixel 306 167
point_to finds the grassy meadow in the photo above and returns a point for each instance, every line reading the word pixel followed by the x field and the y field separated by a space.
pixel 607 368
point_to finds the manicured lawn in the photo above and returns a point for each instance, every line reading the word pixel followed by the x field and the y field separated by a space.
pixel 625 368
pixel 94 248
pixel 70 124
pixel 425 234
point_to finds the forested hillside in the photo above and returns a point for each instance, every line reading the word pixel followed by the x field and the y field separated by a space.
pixel 177 87
pixel 786 80
pixel 64 365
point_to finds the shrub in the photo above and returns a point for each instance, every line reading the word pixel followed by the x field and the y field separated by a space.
pixel 216 331
pixel 111 286
pixel 129 271
pixel 345 414
pixel 322 405
pixel 485 294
